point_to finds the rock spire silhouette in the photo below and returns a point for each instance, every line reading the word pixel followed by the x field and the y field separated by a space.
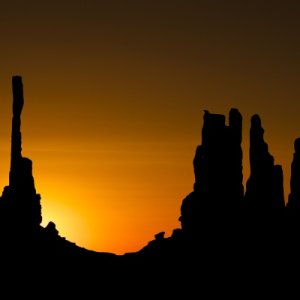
pixel 218 188
pixel 265 184
pixel 20 204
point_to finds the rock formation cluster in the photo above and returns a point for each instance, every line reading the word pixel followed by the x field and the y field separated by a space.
pixel 219 218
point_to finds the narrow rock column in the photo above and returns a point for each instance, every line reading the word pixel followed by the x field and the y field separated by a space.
pixel 265 185
pixel 20 202
pixel 294 196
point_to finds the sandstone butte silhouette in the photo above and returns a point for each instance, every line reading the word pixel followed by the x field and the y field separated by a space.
pixel 223 226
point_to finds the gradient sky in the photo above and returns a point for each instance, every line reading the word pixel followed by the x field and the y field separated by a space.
pixel 114 98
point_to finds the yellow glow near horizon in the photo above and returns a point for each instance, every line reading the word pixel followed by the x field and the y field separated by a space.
pixel 103 191
pixel 114 198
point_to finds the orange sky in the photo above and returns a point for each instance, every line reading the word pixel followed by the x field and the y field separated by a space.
pixel 114 99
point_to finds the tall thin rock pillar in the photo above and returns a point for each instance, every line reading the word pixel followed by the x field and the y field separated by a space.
pixel 265 185
pixel 20 203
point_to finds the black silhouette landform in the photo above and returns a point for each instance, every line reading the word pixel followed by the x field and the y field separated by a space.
pixel 223 226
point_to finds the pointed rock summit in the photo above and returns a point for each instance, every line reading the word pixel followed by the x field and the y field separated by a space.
pixel 265 184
